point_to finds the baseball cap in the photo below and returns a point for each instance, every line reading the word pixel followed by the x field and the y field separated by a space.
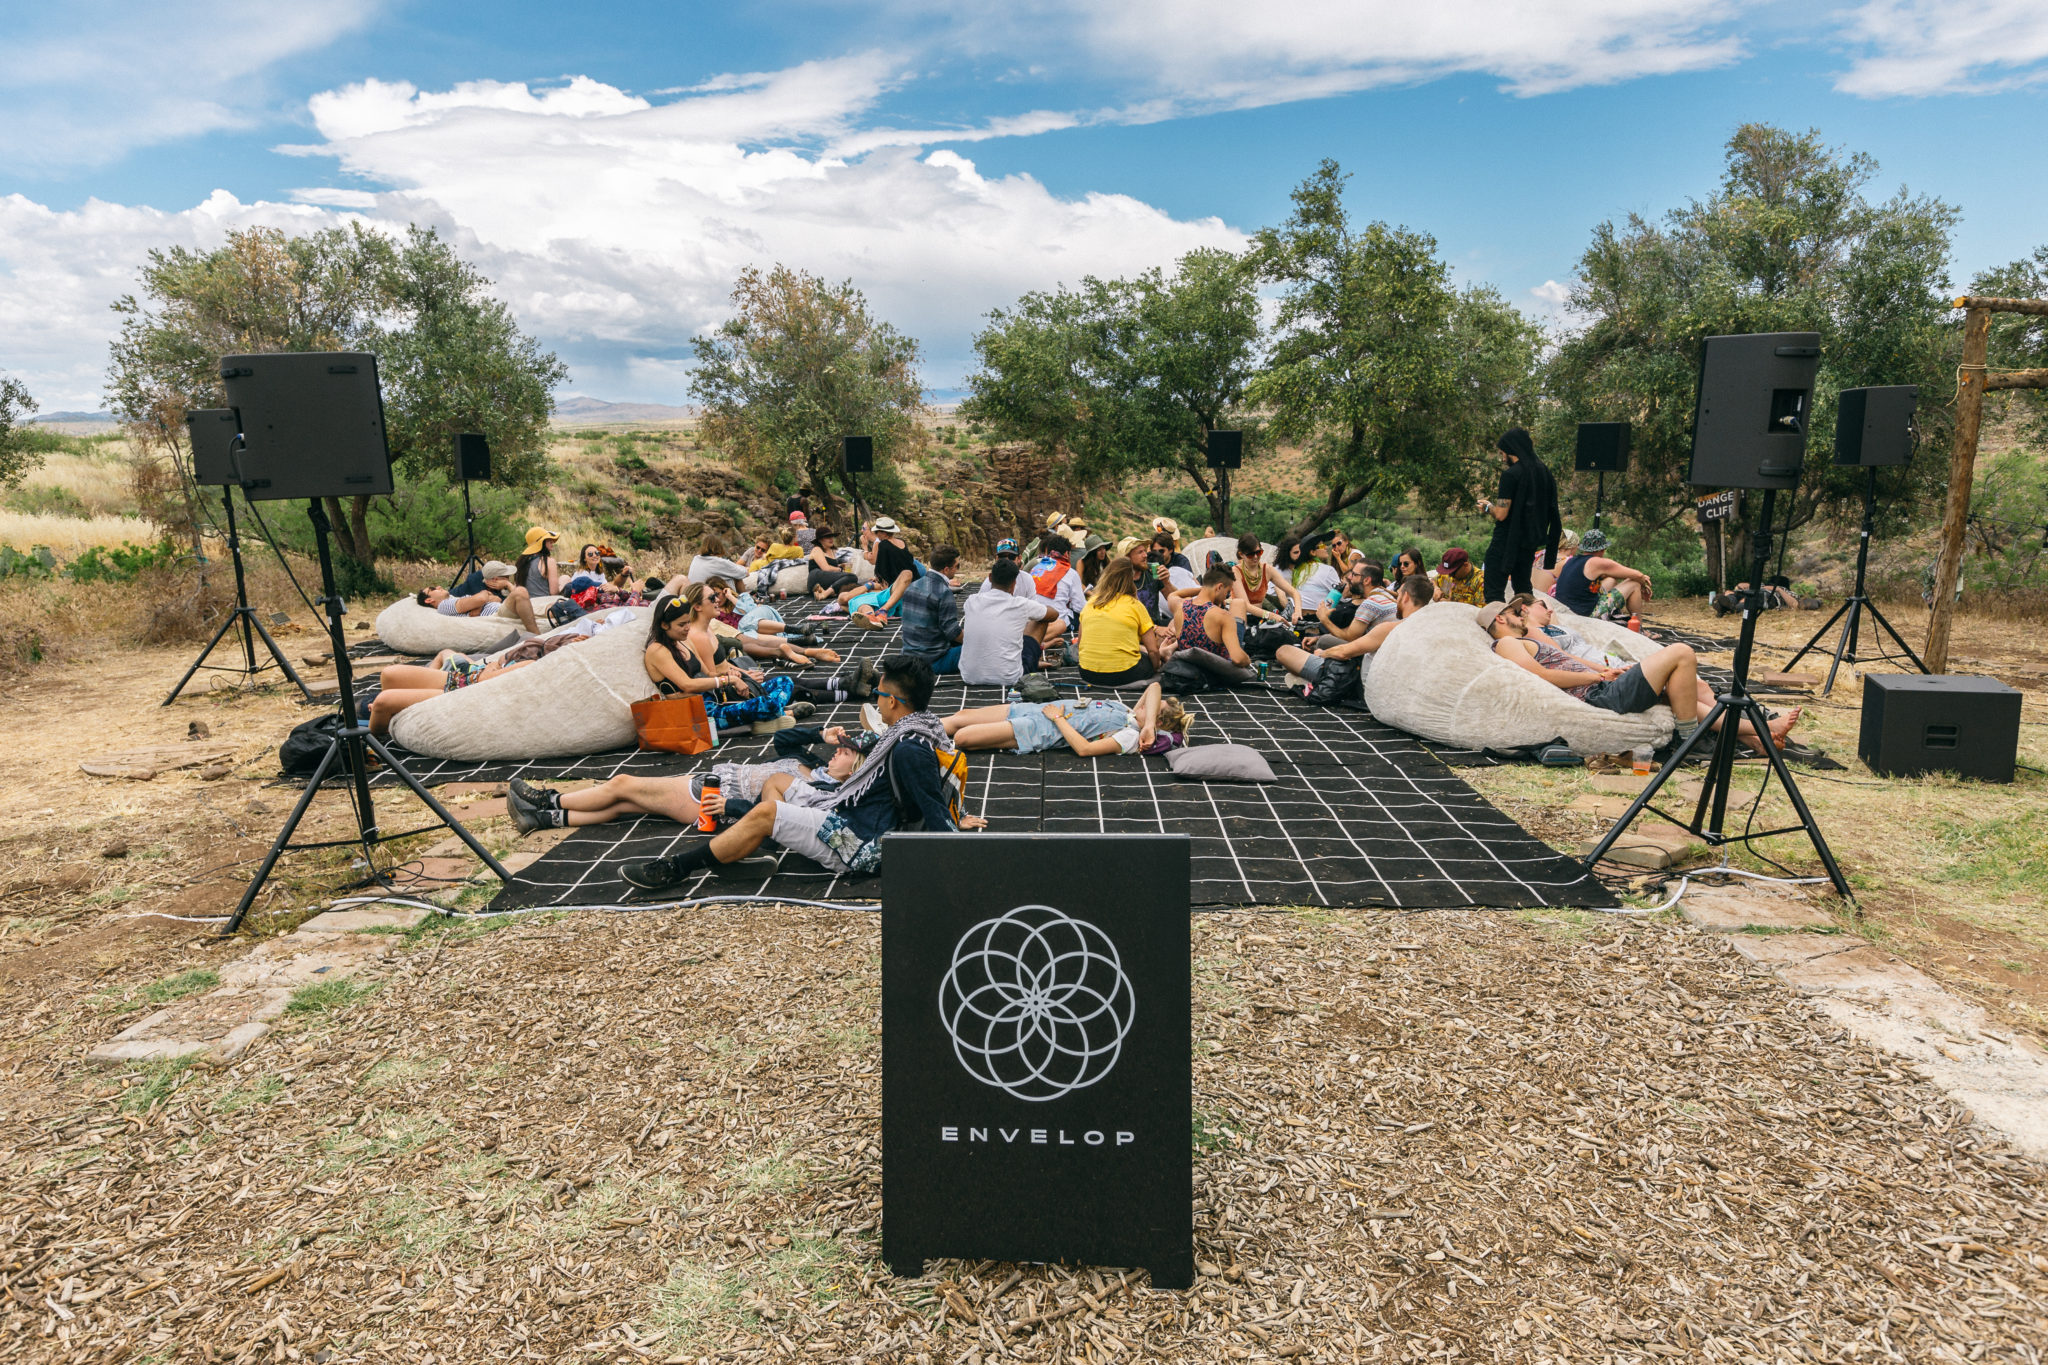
pixel 1006 547
pixel 496 568
pixel 1487 614
pixel 1453 559
pixel 797 516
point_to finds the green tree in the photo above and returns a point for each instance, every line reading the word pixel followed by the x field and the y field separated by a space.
pixel 450 357
pixel 799 365
pixel 2019 341
pixel 16 457
pixel 1127 376
pixel 1788 242
pixel 1394 381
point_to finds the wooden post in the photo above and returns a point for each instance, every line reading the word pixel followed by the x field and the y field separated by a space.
pixel 1962 468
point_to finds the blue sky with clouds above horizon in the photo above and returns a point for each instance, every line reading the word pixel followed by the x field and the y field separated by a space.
pixel 613 168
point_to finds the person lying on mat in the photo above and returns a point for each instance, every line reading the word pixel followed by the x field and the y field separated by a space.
pixel 1091 727
pixel 1591 584
pixel 763 634
pixel 1119 641
pixel 1670 675
pixel 900 784
pixel 1416 593
pixel 1538 621
pixel 680 798
pixel 1209 621
pixel 403 685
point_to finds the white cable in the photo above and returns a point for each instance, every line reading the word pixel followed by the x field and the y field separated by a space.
pixel 1686 881
pixel 182 919
pixel 691 904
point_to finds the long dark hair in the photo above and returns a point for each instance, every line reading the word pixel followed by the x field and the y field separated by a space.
pixel 667 609
pixel 1283 553
pixel 1421 564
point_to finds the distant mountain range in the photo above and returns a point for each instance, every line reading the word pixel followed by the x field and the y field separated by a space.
pixel 581 411
pixel 72 417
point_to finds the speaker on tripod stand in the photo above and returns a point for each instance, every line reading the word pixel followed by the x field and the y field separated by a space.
pixel 215 456
pixel 1602 449
pixel 311 425
pixel 1749 431
pixel 1873 429
pixel 472 461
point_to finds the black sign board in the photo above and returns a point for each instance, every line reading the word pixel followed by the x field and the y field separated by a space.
pixel 1716 506
pixel 1037 1091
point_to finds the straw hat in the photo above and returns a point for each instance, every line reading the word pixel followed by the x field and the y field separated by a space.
pixel 536 537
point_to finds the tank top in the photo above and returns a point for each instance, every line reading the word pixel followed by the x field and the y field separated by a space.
pixel 1572 588
pixel 1193 634
pixel 1257 595
pixel 1549 655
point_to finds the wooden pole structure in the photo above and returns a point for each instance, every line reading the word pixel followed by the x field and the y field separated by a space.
pixel 1973 380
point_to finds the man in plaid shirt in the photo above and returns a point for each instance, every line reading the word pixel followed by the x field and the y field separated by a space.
pixel 931 615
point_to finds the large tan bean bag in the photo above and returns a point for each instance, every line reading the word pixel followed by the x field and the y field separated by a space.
pixel 1197 551
pixel 577 700
pixel 410 628
pixel 797 581
pixel 1438 677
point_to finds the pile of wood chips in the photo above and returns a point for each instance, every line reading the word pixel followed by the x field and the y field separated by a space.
pixel 656 1137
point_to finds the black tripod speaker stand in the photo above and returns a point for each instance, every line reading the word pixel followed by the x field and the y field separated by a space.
pixel 469 525
pixel 1858 603
pixel 243 615
pixel 1731 708
pixel 348 750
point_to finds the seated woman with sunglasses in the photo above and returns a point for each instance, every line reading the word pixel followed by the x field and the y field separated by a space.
pixel 682 660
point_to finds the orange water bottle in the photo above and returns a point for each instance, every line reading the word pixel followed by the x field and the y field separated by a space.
pixel 707 823
pixel 1635 623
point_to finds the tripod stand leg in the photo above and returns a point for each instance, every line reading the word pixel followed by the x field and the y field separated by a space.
pixel 1897 638
pixel 1777 761
pixel 1846 646
pixel 200 660
pixel 1650 791
pixel 284 836
pixel 1814 643
pixel 440 811
pixel 278 654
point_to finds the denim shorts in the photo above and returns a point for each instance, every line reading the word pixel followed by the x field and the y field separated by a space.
pixel 1034 729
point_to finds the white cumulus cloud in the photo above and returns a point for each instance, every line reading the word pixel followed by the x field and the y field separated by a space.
pixel 1916 47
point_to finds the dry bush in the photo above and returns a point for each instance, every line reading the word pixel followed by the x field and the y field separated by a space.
pixel 70 535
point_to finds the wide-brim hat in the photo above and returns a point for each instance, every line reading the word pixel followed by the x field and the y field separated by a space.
pixel 536 537
pixel 887 526
pixel 1092 544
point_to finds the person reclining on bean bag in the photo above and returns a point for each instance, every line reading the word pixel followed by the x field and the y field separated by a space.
pixel 681 798
pixel 1416 593
pixel 403 685
pixel 1092 728
pixel 900 784
pixel 1539 621
pixel 682 659
pixel 498 597
pixel 1671 675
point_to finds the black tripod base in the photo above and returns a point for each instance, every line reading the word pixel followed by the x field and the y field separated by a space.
pixel 1845 647
pixel 1730 710
pixel 348 747
pixel 250 668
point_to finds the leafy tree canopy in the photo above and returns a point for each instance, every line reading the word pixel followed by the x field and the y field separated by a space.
pixel 1788 242
pixel 16 457
pixel 800 364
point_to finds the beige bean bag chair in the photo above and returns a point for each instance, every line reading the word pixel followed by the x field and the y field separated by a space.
pixel 410 628
pixel 1197 551
pixel 577 700
pixel 1438 677
pixel 796 582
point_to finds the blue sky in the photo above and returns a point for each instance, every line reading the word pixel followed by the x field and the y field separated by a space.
pixel 613 168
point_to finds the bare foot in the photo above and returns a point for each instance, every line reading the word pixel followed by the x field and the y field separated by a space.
pixel 824 656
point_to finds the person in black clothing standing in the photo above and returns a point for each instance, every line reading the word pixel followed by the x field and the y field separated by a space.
pixel 1525 517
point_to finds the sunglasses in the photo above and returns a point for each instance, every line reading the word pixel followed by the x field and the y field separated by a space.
pixel 892 696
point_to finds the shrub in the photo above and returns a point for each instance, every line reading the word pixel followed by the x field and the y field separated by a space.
pixel 37 563
pixel 120 564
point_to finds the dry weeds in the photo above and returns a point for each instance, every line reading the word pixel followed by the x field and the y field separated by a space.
pixel 1544 1137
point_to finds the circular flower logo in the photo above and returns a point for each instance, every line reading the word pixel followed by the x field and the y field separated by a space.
pixel 1037 1003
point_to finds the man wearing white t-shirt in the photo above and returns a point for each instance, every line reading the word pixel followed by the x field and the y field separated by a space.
pixel 1002 634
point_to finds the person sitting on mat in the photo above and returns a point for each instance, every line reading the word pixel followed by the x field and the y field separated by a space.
pixel 1538 620
pixel 1670 675
pixel 1457 580
pixel 1591 584
pixel 895 567
pixel 1057 580
pixel 1005 634
pixel 828 575
pixel 1091 727
pixel 1020 582
pixel 1119 641
pixel 710 562
pixel 1416 593
pixel 931 614
pixel 1256 579
pixel 900 784
pixel 1209 621
pixel 679 798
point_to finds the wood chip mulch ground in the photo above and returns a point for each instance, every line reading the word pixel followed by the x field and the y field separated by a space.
pixel 655 1137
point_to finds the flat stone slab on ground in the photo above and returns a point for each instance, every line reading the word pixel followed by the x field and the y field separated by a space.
pixel 1805 680
pixel 300 958
pixel 363 917
pixel 1631 786
pixel 1650 843
pixel 222 1022
pixel 1727 909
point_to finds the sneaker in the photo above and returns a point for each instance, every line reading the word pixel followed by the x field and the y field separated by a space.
pixel 800 711
pixel 753 867
pixel 527 814
pixel 871 719
pixel 772 724
pixel 660 874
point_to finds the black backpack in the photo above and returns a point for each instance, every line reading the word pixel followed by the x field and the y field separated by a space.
pixel 1339 684
pixel 306 745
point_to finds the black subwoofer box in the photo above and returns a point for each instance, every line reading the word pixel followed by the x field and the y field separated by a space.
pixel 1917 723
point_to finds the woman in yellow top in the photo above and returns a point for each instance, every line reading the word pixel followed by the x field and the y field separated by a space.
pixel 1120 643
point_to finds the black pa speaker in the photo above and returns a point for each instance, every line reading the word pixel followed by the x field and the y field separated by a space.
pixel 1874 426
pixel 473 456
pixel 1755 398
pixel 213 432
pixel 312 424
pixel 1602 448
pixel 1943 722
pixel 1226 450
pixel 857 454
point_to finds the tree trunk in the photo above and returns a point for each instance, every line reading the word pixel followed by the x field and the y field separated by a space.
pixel 351 530
pixel 1339 499
pixel 1717 565
pixel 1962 467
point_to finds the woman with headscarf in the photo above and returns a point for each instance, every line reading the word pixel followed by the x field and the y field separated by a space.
pixel 1525 518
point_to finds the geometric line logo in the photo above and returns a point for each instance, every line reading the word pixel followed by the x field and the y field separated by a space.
pixel 1037 1003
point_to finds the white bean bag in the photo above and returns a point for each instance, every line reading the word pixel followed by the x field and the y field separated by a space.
pixel 1438 677
pixel 410 628
pixel 797 581
pixel 577 700
pixel 1197 551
